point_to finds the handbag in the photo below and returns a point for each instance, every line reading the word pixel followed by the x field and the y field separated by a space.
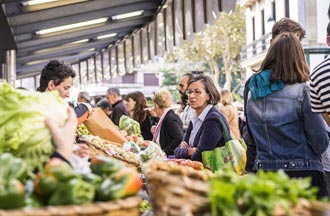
pixel 230 156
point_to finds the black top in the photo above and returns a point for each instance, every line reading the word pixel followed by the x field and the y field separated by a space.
pixel 118 109
pixel 171 133
pixel 145 127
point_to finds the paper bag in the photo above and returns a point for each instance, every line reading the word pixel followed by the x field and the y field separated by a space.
pixel 99 124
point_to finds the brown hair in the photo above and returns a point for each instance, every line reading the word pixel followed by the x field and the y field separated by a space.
pixel 162 98
pixel 286 59
pixel 140 104
pixel 209 86
pixel 226 97
pixel 287 25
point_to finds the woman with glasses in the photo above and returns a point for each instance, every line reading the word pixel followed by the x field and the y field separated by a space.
pixel 205 129
pixel 169 131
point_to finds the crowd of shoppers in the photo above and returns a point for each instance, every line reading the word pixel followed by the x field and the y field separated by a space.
pixel 286 118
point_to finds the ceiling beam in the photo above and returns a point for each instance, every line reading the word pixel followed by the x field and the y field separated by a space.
pixel 64 51
pixel 123 31
pixel 108 12
pixel 85 32
pixel 53 13
pixel 67 59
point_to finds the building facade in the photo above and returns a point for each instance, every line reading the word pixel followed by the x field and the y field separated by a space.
pixel 261 16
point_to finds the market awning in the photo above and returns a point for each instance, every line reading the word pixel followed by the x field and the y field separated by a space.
pixel 127 32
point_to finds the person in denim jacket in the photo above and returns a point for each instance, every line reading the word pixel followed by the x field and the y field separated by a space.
pixel 288 135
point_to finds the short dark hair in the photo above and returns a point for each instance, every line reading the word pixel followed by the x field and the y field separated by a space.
pixel 209 86
pixel 103 104
pixel 287 25
pixel 286 59
pixel 328 29
pixel 113 90
pixel 56 71
pixel 189 75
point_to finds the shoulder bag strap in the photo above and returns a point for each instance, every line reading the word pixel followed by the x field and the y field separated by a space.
pixel 225 131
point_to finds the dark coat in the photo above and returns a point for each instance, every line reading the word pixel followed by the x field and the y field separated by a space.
pixel 171 132
pixel 207 138
pixel 118 109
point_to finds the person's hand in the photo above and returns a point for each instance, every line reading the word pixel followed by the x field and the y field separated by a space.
pixel 64 137
pixel 184 144
pixel 153 112
pixel 81 150
pixel 191 151
pixel 152 129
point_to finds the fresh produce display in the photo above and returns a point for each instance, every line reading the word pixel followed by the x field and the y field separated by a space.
pixel 184 162
pixel 23 131
pixel 129 125
pixel 119 182
pixel 256 194
pixel 82 130
pixel 12 171
pixel 58 184
pixel 145 206
pixel 109 149
pixel 151 151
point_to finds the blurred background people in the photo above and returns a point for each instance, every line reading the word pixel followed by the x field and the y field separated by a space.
pixel 230 112
pixel 169 131
pixel 288 135
pixel 320 97
pixel 205 130
pixel 187 111
pixel 118 105
pixel 105 106
pixel 136 105
pixel 83 97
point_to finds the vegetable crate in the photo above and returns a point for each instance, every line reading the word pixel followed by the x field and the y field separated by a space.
pixel 175 189
pixel 129 206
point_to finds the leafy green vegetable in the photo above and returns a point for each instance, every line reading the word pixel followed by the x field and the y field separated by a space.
pixel 23 130
pixel 129 125
pixel 256 194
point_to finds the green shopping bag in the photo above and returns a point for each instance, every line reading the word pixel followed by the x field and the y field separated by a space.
pixel 232 155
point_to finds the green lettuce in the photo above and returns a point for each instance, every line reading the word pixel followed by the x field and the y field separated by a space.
pixel 23 130
pixel 129 125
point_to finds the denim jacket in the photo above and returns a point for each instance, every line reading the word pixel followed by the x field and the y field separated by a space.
pixel 288 134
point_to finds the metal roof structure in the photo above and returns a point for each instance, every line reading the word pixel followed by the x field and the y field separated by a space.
pixel 40 30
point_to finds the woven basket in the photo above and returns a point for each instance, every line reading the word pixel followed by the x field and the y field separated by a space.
pixel 175 189
pixel 127 207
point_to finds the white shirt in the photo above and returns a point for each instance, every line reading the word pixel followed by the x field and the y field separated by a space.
pixel 197 122
pixel 186 115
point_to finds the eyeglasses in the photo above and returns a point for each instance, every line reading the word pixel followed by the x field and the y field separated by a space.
pixel 196 92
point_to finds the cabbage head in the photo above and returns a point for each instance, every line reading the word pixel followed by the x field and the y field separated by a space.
pixel 23 131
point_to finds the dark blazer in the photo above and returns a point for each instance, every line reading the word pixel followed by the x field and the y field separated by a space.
pixel 145 127
pixel 207 138
pixel 118 109
pixel 171 132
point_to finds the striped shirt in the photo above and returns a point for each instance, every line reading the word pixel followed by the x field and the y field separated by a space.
pixel 320 98
pixel 320 87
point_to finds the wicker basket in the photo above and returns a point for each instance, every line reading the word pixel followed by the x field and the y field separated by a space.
pixel 129 206
pixel 175 189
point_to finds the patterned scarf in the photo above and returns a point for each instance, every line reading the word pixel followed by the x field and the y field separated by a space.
pixel 159 125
